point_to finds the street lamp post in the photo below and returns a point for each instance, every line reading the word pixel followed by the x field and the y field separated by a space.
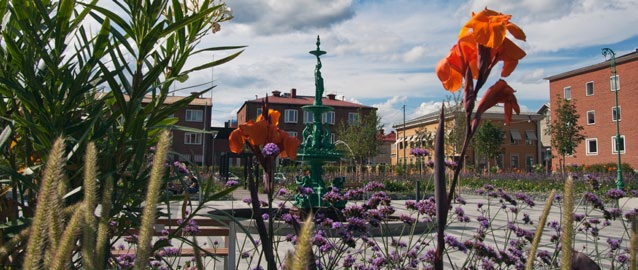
pixel 614 84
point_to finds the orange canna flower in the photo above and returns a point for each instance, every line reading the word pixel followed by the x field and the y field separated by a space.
pixel 261 132
pixel 500 92
pixel 490 27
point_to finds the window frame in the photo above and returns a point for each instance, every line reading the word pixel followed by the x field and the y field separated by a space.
pixel 188 140
pixel 593 118
pixel 292 133
pixel 353 117
pixel 587 88
pixel 325 118
pixel 517 161
pixel 308 117
pixel 293 112
pixel 567 89
pixel 588 151
pixel 258 111
pixel 619 113
pixel 613 144
pixel 189 117
pixel 611 85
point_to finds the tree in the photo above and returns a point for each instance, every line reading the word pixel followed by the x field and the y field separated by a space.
pixel 489 141
pixel 361 137
pixel 565 130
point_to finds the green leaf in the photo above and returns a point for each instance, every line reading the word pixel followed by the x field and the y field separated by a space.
pixel 215 63
pixel 5 136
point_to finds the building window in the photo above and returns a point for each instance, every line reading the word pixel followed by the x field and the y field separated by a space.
pixel 192 138
pixel 353 118
pixel 592 146
pixel 197 158
pixel 194 115
pixel 614 149
pixel 308 117
pixel 529 163
pixel 292 134
pixel 530 137
pixel 614 83
pixel 328 117
pixel 290 116
pixel 514 161
pixel 568 92
pixel 589 88
pixel 258 112
pixel 591 117
pixel 616 115
pixel 515 136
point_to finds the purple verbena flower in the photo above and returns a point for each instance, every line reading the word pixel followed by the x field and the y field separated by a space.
pixel 270 150
pixel 615 194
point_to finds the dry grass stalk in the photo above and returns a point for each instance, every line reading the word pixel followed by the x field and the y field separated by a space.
pixel 539 231
pixel 567 232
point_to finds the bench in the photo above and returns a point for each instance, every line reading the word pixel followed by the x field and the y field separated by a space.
pixel 206 228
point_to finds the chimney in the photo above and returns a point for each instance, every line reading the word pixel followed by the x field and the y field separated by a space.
pixel 293 93
pixel 331 96
pixel 276 93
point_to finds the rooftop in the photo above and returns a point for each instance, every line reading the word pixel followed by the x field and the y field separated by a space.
pixel 606 64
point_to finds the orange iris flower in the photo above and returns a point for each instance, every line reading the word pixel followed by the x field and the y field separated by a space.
pixel 263 131
pixel 500 92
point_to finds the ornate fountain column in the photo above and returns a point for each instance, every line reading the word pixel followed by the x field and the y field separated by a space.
pixel 316 147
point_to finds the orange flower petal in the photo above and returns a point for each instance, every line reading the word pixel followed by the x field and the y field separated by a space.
pixel 291 145
pixel 500 92
pixel 449 77
pixel 516 31
pixel 256 132
pixel 236 141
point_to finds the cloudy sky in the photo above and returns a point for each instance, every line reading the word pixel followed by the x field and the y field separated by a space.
pixel 382 53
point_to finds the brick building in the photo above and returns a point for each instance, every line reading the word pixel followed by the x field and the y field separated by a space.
pixel 592 92
pixel 192 146
pixel 521 148
pixel 293 118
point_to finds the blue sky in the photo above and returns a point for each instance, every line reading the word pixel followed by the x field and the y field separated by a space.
pixel 382 53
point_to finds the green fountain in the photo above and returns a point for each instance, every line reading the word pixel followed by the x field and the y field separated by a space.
pixel 316 149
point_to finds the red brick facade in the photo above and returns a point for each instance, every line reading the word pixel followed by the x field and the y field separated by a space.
pixel 599 104
pixel 293 103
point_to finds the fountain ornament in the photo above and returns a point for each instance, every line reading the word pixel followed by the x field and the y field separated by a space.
pixel 316 149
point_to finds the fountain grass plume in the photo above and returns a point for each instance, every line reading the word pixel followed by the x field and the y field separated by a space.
pixel 304 246
pixel 51 176
pixel 539 230
pixel 567 230
pixel 150 207
pixel 68 239
pixel 90 192
pixel 102 242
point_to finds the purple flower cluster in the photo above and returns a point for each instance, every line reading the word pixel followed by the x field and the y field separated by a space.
pixel 594 200
pixel 419 152
pixel 615 194
pixel 270 150
pixel 373 186
pixel 125 261
pixel 231 183
pixel 451 164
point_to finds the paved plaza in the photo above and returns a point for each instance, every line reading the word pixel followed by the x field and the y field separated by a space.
pixel 585 242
